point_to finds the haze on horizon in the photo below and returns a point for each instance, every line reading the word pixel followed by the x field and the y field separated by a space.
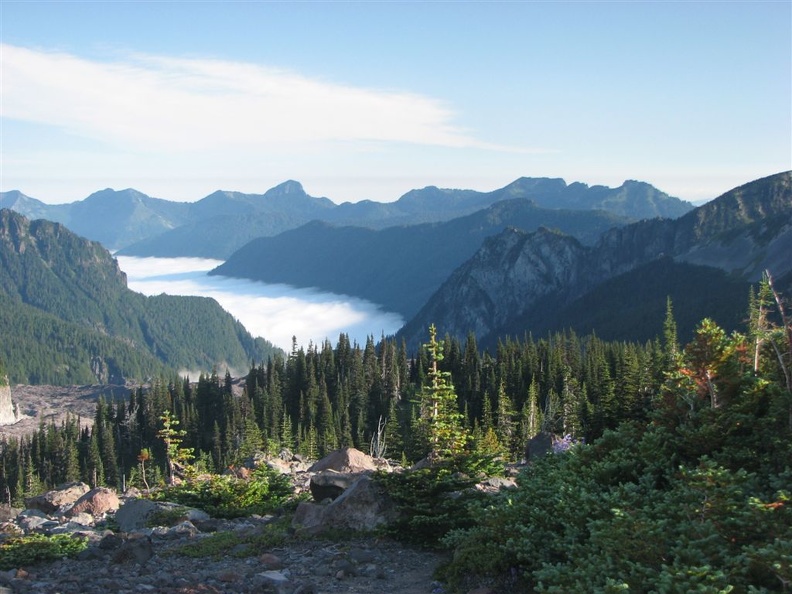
pixel 368 100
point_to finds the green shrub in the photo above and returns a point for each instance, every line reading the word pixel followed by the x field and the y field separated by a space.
pixel 433 501
pixel 25 550
pixel 167 517
pixel 231 497
pixel 221 544
pixel 619 514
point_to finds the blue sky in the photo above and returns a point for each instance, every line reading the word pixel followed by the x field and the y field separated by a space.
pixel 367 100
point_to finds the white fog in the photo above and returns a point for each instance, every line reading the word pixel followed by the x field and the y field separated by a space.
pixel 274 312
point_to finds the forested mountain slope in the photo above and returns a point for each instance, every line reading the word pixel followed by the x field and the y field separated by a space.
pixel 397 267
pixel 68 316
pixel 225 221
pixel 519 281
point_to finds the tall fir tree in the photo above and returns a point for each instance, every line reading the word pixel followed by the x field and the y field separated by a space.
pixel 440 414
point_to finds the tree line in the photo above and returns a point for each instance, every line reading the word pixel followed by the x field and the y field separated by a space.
pixel 317 399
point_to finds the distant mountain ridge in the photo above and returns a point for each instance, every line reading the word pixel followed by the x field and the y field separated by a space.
pixel 519 281
pixel 396 267
pixel 67 316
pixel 138 225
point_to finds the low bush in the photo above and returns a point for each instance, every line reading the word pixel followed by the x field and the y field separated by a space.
pixel 230 497
pixel 20 551
pixel 237 543
pixel 434 500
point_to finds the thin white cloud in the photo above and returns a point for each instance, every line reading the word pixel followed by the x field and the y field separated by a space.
pixel 176 104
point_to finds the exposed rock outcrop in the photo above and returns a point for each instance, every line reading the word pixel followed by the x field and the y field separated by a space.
pixel 8 414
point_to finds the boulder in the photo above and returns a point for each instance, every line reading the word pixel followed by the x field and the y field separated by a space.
pixel 134 514
pixel 80 520
pixel 308 518
pixel 136 549
pixel 62 497
pixel 8 513
pixel 329 484
pixel 363 507
pixel 347 460
pixel 96 502
pixel 539 445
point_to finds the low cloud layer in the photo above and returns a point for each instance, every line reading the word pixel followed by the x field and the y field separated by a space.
pixel 274 312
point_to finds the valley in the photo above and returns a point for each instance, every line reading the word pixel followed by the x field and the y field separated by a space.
pixel 611 354
pixel 278 312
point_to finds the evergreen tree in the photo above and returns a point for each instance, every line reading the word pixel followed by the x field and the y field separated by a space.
pixel 440 414
pixel 505 426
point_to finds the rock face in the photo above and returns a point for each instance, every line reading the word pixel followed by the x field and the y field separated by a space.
pixel 7 413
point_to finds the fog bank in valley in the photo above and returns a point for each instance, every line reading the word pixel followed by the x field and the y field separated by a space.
pixel 274 312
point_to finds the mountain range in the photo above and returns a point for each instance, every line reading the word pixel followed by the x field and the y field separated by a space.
pixel 135 224
pixel 67 316
pixel 397 267
pixel 538 255
pixel 522 282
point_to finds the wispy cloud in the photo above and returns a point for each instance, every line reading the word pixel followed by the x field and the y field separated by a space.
pixel 178 104
pixel 274 312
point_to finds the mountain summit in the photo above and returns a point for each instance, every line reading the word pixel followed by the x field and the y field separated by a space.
pixel 138 225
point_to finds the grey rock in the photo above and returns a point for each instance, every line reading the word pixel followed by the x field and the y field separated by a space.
pixel 133 514
pixel 363 507
pixel 329 484
pixel 136 549
pixel 8 513
pixel 347 460
pixel 277 581
pixel 62 497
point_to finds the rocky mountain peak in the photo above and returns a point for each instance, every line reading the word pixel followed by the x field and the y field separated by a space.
pixel 287 187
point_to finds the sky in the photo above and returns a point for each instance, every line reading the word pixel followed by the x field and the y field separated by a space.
pixel 368 100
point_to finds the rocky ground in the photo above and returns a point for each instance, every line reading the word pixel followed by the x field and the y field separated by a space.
pixel 48 404
pixel 132 559
pixel 365 566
